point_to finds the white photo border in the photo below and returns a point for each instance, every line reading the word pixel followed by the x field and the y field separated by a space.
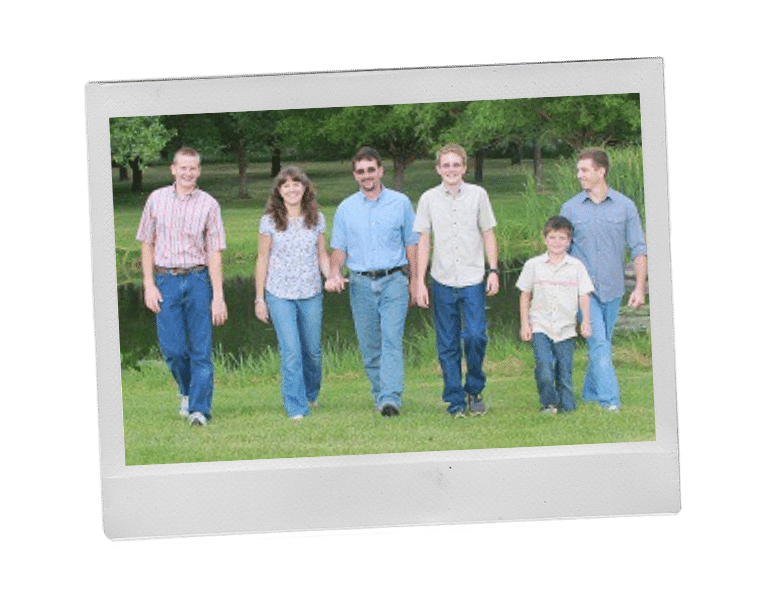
pixel 383 490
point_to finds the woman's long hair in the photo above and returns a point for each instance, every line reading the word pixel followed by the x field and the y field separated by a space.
pixel 276 209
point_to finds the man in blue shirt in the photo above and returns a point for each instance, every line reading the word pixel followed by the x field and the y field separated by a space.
pixel 373 234
pixel 605 224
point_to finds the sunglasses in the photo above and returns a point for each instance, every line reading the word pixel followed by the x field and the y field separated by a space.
pixel 364 171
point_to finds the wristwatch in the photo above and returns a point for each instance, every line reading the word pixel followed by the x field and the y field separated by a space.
pixel 493 270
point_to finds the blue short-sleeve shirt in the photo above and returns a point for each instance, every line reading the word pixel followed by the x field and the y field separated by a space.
pixel 374 233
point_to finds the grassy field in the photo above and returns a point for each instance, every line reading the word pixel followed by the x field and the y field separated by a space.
pixel 249 421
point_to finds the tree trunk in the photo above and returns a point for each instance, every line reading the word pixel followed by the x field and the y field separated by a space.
pixel 137 184
pixel 242 167
pixel 479 159
pixel 275 161
pixel 538 165
pixel 123 172
pixel 398 181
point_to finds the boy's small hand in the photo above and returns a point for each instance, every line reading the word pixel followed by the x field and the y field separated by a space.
pixel 525 332
pixel 586 329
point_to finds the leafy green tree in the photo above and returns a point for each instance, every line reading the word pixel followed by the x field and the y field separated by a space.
pixel 404 132
pixel 136 140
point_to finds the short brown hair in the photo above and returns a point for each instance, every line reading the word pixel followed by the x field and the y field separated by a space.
pixel 598 157
pixel 452 149
pixel 558 223
pixel 366 153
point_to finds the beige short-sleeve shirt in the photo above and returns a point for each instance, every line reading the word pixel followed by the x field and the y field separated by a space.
pixel 457 224
pixel 556 289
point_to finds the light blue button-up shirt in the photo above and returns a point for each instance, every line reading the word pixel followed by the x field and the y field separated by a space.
pixel 374 233
pixel 602 232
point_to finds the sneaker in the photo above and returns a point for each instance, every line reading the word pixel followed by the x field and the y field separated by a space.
pixel 612 408
pixel 184 406
pixel 389 410
pixel 459 414
pixel 549 410
pixel 476 404
pixel 198 419
pixel 314 404
pixel 297 417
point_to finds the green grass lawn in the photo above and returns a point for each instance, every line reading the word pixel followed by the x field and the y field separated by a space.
pixel 250 423
pixel 249 419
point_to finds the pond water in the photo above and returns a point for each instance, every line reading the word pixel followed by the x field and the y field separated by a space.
pixel 244 335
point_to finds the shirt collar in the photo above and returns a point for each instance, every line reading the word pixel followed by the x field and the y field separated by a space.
pixel 180 196
pixel 448 192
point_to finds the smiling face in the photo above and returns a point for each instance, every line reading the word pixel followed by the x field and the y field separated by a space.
pixel 368 175
pixel 292 192
pixel 557 242
pixel 590 177
pixel 185 170
pixel 452 169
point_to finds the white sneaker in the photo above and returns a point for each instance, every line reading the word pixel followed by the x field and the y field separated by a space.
pixel 184 406
pixel 297 417
pixel 198 418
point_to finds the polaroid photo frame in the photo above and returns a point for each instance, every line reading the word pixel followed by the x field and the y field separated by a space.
pixel 383 490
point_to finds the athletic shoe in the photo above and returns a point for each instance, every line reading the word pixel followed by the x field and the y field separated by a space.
pixel 314 404
pixel 297 417
pixel 612 408
pixel 184 406
pixel 476 404
pixel 198 419
pixel 459 414
pixel 549 410
pixel 389 410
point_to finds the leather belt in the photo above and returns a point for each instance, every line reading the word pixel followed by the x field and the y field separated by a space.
pixel 383 273
pixel 179 270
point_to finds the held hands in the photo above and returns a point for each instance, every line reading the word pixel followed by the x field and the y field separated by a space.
pixel 335 283
pixel 586 329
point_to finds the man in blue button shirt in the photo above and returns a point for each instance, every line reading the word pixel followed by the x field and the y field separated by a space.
pixel 605 224
pixel 373 234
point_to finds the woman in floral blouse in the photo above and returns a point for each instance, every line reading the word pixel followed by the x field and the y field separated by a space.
pixel 292 254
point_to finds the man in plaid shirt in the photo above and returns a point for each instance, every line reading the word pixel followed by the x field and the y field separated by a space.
pixel 182 236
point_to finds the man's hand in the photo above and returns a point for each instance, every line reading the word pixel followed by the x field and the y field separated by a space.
pixel 636 298
pixel 492 285
pixel 526 334
pixel 335 283
pixel 152 297
pixel 421 295
pixel 218 311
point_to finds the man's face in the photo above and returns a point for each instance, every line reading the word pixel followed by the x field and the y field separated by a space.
pixel 451 168
pixel 368 174
pixel 588 175
pixel 186 170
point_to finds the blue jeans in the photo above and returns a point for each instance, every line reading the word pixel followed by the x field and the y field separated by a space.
pixel 379 307
pixel 298 325
pixel 185 335
pixel 600 383
pixel 554 371
pixel 459 315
